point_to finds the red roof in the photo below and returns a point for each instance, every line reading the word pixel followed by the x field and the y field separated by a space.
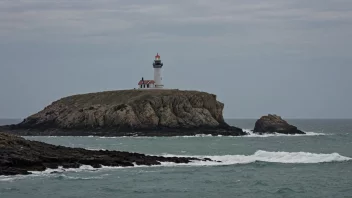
pixel 157 55
pixel 146 82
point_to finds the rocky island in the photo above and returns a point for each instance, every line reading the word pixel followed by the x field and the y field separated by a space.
pixel 20 156
pixel 275 124
pixel 136 112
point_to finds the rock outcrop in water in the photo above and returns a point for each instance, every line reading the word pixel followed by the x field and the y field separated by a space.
pixel 19 156
pixel 130 112
pixel 275 124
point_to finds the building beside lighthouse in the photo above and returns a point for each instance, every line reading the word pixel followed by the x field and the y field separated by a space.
pixel 157 82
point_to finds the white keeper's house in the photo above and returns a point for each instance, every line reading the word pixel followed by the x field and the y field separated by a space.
pixel 157 82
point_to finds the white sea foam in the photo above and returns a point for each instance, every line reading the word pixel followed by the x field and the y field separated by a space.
pixel 218 160
pixel 8 178
pixel 96 149
pixel 273 157
pixel 308 133
pixel 61 170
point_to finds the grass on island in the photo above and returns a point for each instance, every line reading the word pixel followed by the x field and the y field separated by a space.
pixel 121 96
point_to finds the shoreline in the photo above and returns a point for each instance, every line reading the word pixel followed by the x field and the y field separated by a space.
pixel 19 156
pixel 113 132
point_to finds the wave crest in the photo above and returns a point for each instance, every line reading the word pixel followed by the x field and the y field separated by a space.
pixel 272 157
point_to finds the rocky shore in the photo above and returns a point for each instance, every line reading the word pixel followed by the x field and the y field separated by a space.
pixel 130 113
pixel 20 156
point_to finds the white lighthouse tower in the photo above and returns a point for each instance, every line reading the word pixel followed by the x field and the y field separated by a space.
pixel 157 65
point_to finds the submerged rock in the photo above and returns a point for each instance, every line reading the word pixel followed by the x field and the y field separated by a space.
pixel 275 124
pixel 19 156
pixel 130 112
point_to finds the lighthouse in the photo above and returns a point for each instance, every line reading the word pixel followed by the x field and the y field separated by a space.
pixel 157 82
pixel 157 65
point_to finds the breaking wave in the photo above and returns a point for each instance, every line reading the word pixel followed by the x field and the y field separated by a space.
pixel 218 160
pixel 272 157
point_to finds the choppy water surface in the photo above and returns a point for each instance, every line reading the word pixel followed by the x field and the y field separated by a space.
pixel 315 165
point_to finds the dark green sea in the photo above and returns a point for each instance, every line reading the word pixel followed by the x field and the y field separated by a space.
pixel 318 164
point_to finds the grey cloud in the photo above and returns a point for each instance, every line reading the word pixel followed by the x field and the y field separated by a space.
pixel 281 56
pixel 81 18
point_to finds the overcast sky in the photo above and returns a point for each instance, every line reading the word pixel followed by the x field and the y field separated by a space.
pixel 292 58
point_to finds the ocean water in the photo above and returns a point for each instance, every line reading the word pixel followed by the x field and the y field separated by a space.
pixel 318 164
